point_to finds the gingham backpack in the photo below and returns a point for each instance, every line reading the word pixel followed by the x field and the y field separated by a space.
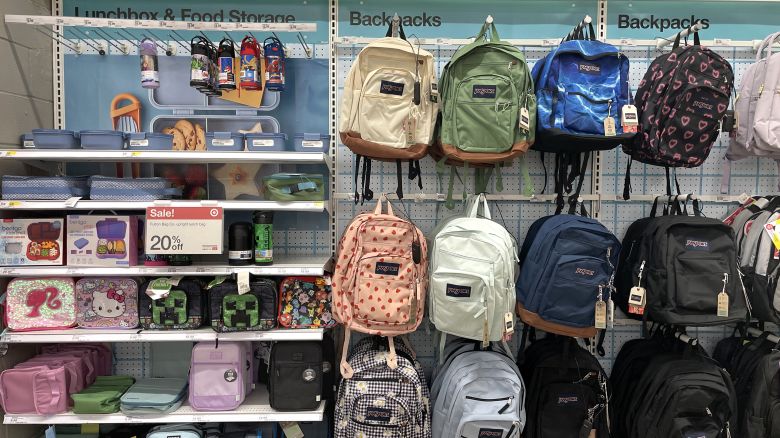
pixel 381 401
pixel 380 278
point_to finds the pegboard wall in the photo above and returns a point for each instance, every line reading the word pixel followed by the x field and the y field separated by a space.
pixel 750 176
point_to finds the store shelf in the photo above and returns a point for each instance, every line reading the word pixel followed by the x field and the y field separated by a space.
pixel 254 409
pixel 81 155
pixel 114 23
pixel 77 204
pixel 138 335
pixel 283 265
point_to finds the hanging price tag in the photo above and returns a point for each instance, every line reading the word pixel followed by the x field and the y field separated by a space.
pixel 524 120
pixel 629 119
pixel 637 296
pixel 611 313
pixel 509 323
pixel 601 314
pixel 723 305
pixel 609 127
pixel 243 282
pixel 184 230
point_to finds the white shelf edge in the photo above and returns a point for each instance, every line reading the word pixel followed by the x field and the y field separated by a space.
pixel 254 409
pixel 441 197
pixel 550 42
pixel 287 265
pixel 115 23
pixel 301 206
pixel 133 335
pixel 164 156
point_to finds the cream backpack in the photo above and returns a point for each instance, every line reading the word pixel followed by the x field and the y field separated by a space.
pixel 388 108
pixel 380 278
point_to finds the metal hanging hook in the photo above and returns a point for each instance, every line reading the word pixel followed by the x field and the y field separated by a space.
pixel 306 48
pixel 124 49
pixel 99 49
pixel 168 48
pixel 56 37
pixel 178 42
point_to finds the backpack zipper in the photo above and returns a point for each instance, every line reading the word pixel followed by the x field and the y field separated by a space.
pixel 503 408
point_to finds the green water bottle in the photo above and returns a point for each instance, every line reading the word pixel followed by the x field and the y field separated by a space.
pixel 264 233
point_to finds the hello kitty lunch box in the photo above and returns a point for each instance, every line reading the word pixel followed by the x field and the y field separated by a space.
pixel 107 302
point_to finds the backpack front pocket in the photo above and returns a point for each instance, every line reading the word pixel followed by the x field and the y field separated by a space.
pixel 585 114
pixel 385 106
pixel 386 289
pixel 485 114
pixel 699 427
pixel 459 293
pixel 693 125
pixel 371 412
pixel 699 280
pixel 564 407
pixel 570 297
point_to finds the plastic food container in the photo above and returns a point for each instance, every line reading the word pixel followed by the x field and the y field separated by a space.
pixel 55 139
pixel 224 141
pixel 149 141
pixel 308 142
pixel 266 141
pixel 27 140
pixel 102 139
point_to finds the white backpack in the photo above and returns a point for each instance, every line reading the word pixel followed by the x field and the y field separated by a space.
pixel 757 111
pixel 473 269
pixel 389 107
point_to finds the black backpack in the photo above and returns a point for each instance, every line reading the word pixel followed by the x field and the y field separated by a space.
pixel 184 308
pixel 301 374
pixel 254 310
pixel 685 261
pixel 634 358
pixel 567 390
pixel 744 364
pixel 763 407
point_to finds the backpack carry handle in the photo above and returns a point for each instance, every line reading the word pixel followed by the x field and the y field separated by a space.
pixel 378 209
pixel 401 33
pixel 480 205
pixel 765 48
pixel 483 33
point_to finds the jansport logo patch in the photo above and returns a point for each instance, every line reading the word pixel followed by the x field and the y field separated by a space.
pixel 702 105
pixel 455 291
pixel 490 433
pixel 583 271
pixel 394 88
pixel 698 245
pixel 384 268
pixel 483 92
pixel 565 399
pixel 381 415
pixel 591 69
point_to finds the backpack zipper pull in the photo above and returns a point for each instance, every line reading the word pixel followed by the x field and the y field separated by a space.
pixel 506 406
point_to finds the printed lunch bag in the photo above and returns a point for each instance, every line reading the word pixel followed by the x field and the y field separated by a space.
pixel 232 311
pixel 182 307
pixel 110 302
pixel 305 302
pixel 40 303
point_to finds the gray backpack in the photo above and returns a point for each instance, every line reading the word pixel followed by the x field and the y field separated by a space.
pixel 477 394
pixel 755 119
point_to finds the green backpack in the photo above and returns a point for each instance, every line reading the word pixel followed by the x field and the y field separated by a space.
pixel 488 108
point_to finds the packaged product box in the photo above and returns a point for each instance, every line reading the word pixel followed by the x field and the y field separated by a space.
pixel 102 240
pixel 26 242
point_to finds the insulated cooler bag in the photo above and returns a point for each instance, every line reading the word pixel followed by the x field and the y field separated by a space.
pixel 48 188
pixel 154 396
pixel 296 375
pixel 184 307
pixel 38 390
pixel 305 302
pixel 103 396
pixel 102 188
pixel 254 310
pixel 40 304
pixel 107 302
pixel 220 375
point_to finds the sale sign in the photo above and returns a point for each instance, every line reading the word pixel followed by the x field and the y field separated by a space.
pixel 183 230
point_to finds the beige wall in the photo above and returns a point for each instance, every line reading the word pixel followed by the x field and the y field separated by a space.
pixel 25 104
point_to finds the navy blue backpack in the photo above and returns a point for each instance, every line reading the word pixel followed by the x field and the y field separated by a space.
pixel 567 264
